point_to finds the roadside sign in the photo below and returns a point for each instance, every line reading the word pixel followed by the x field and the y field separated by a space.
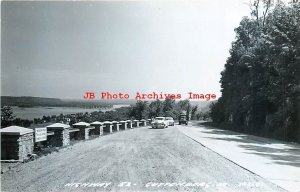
pixel 40 134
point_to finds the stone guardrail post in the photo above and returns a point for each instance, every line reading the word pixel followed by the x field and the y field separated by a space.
pixel 115 126
pixel 135 123
pixel 16 143
pixel 143 122
pixel 123 125
pixel 61 135
pixel 84 130
pixel 107 127
pixel 129 124
pixel 149 121
pixel 98 128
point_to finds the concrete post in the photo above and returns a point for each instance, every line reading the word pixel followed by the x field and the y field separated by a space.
pixel 98 128
pixel 61 135
pixel 107 127
pixel 123 125
pixel 115 126
pixel 129 124
pixel 135 123
pixel 16 143
pixel 149 121
pixel 143 122
pixel 84 129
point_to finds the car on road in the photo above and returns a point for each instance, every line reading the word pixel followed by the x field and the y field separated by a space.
pixel 183 119
pixel 160 122
pixel 170 121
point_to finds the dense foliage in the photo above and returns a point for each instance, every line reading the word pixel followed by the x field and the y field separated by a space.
pixel 260 82
pixel 167 108
pixel 6 116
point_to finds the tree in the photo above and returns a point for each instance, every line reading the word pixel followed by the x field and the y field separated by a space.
pixel 193 112
pixel 183 104
pixel 155 108
pixel 261 80
pixel 140 110
pixel 6 116
pixel 168 107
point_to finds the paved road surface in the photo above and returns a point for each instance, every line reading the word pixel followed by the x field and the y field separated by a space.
pixel 151 160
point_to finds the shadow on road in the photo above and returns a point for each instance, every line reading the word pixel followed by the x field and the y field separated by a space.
pixel 279 152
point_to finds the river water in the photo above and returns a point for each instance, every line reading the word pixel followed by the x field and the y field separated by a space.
pixel 38 112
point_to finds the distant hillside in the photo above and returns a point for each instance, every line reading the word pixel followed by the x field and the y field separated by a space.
pixel 29 101
pixel 48 102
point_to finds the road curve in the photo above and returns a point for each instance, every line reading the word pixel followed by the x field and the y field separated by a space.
pixel 140 159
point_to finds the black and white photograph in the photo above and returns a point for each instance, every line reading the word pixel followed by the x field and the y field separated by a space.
pixel 150 96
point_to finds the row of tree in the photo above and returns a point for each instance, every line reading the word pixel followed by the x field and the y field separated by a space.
pixel 166 108
pixel 260 82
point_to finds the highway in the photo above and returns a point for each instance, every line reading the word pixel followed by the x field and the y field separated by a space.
pixel 140 159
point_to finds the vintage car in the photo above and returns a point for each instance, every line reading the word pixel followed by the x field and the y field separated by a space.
pixel 160 122
pixel 170 121
pixel 183 119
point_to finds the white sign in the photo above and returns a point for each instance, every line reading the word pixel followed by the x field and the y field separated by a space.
pixel 40 134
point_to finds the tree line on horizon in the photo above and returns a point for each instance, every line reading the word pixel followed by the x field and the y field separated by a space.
pixel 166 108
pixel 260 82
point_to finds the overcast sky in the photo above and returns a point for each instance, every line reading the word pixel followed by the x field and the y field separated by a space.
pixel 63 49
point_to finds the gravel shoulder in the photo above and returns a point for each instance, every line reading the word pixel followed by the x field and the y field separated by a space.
pixel 145 159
